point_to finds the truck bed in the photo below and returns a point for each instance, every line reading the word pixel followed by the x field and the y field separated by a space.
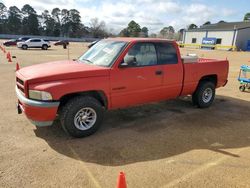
pixel 194 71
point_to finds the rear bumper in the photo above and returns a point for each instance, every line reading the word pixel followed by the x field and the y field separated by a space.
pixel 39 113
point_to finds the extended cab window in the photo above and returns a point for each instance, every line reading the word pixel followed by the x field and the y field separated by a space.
pixel 166 53
pixel 144 54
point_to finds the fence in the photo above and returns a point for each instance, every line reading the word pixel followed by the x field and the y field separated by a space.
pixel 84 39
pixel 216 47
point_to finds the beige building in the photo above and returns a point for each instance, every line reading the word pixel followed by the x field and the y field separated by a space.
pixel 225 34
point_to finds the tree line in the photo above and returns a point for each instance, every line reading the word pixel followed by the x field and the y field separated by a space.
pixel 64 23
pixel 134 30
pixel 67 23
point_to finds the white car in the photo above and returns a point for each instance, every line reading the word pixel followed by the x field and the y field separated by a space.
pixel 34 43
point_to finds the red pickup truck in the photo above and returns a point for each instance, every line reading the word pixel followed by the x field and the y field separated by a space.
pixel 114 73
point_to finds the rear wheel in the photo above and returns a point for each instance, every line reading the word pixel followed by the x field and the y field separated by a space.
pixel 81 116
pixel 204 94
pixel 24 47
pixel 242 88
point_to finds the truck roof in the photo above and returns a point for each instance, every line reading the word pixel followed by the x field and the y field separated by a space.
pixel 132 39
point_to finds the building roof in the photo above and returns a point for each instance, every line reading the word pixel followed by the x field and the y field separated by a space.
pixel 223 26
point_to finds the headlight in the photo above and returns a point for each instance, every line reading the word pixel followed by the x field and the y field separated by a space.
pixel 40 95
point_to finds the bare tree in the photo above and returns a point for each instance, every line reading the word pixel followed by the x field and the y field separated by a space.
pixel 98 28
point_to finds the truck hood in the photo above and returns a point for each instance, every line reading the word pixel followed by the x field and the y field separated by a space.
pixel 61 70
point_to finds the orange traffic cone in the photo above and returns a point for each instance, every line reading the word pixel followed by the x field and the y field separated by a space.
pixel 17 66
pixel 9 60
pixel 121 181
pixel 8 55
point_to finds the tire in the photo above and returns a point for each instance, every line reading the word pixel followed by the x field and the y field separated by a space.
pixel 204 94
pixel 45 47
pixel 75 110
pixel 242 88
pixel 24 47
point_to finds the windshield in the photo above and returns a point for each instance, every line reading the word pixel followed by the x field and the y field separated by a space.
pixel 103 53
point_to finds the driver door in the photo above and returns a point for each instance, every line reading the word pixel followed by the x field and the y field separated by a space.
pixel 139 81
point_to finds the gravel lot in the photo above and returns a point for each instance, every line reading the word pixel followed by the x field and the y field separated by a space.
pixel 167 144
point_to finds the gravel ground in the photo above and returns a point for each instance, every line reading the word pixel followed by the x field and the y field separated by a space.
pixel 167 144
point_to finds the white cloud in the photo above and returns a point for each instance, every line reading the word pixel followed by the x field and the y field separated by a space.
pixel 154 14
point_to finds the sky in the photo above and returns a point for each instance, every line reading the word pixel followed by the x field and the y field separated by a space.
pixel 154 14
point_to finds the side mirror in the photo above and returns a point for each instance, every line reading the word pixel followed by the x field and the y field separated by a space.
pixel 128 61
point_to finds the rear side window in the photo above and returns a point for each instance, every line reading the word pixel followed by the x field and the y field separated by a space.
pixel 35 40
pixel 166 53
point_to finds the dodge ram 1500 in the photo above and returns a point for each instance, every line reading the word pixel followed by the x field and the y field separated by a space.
pixel 114 73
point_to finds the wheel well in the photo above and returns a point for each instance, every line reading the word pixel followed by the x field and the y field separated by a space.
pixel 211 78
pixel 99 95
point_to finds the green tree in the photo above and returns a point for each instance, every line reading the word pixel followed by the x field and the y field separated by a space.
pixel 3 18
pixel 48 24
pixel 3 11
pixel 144 31
pixel 134 29
pixel 222 21
pixel 75 23
pixel 207 23
pixel 153 35
pixel 192 26
pixel 167 32
pixel 247 17
pixel 124 33
pixel 14 20
pixel 27 10
pixel 65 22
pixel 30 21
pixel 56 13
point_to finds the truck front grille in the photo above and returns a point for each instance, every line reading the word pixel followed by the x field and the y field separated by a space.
pixel 20 85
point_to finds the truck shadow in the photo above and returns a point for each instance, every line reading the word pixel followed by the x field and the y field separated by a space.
pixel 158 131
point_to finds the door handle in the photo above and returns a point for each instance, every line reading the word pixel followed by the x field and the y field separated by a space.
pixel 158 72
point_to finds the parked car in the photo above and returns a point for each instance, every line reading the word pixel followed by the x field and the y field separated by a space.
pixel 116 73
pixel 34 43
pixel 61 42
pixel 11 42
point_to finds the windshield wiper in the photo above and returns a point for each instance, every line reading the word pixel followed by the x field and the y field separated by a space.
pixel 87 60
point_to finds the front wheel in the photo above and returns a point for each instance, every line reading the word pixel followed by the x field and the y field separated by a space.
pixel 24 47
pixel 82 116
pixel 204 94
pixel 44 47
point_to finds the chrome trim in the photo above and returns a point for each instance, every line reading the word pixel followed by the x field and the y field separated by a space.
pixel 30 102
pixel 41 123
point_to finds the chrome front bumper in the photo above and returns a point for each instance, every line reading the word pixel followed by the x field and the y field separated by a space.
pixel 33 103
